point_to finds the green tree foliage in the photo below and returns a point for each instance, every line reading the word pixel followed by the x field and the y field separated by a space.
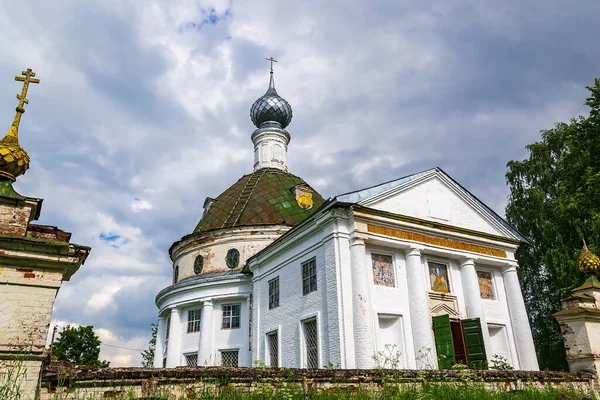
pixel 79 345
pixel 148 355
pixel 555 203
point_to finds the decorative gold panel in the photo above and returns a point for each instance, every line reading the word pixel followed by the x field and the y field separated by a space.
pixel 449 243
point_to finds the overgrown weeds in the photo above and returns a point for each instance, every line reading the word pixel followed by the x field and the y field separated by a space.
pixel 12 375
pixel 427 391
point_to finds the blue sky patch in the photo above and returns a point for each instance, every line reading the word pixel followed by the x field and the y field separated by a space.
pixel 210 18
pixel 109 237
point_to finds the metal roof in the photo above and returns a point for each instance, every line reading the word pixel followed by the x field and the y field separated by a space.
pixel 264 197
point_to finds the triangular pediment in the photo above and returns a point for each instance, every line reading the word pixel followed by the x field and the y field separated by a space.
pixel 434 196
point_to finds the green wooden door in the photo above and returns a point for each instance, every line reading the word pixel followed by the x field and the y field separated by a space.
pixel 475 348
pixel 443 341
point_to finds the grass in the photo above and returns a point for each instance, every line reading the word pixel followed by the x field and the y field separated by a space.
pixel 408 392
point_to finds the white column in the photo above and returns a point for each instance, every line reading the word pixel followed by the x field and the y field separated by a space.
pixel 519 321
pixel 174 345
pixel 246 360
pixel 160 342
pixel 205 350
pixel 361 305
pixel 420 317
pixel 473 302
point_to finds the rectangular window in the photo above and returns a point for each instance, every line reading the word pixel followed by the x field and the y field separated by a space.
pixel 383 270
pixel 229 358
pixel 273 348
pixel 194 321
pixel 311 343
pixel 309 276
pixel 274 293
pixel 168 329
pixel 191 360
pixel 438 276
pixel 486 285
pixel 231 316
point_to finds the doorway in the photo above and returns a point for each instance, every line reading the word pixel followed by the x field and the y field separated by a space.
pixel 459 341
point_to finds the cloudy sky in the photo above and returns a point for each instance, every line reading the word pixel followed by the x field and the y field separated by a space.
pixel 142 112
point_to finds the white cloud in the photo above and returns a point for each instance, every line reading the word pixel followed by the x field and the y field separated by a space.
pixel 138 205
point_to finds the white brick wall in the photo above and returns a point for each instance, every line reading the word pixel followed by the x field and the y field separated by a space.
pixel 294 306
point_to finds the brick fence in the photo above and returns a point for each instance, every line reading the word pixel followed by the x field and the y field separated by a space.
pixel 65 381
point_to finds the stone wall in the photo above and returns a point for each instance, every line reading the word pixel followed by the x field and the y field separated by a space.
pixel 60 380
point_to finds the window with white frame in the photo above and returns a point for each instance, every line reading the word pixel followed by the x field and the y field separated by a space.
pixel 229 358
pixel 191 359
pixel 168 329
pixel 274 293
pixel 309 276
pixel 273 348
pixel 311 344
pixel 231 316
pixel 194 320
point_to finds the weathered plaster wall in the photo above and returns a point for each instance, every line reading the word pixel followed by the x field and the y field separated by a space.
pixel 26 300
pixel 213 246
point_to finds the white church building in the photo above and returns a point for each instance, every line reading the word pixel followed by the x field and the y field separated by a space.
pixel 417 269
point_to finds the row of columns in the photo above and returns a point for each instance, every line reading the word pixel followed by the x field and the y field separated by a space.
pixel 173 342
pixel 206 355
pixel 420 316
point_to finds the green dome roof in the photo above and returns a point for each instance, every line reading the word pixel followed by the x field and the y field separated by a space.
pixel 264 197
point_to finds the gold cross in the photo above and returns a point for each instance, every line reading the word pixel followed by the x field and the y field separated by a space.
pixel 27 78
pixel 272 61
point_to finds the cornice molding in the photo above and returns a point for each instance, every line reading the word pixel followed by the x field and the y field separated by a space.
pixel 434 225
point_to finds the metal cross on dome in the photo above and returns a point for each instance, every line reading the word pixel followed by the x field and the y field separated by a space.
pixel 272 61
pixel 26 79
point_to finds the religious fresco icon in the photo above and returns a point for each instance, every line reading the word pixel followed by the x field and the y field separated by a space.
pixel 383 270
pixel 486 285
pixel 438 275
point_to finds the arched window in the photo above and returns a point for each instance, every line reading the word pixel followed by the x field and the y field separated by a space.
pixel 198 264
pixel 277 152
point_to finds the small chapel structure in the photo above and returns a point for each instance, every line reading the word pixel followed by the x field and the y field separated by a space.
pixel 34 261
pixel 417 269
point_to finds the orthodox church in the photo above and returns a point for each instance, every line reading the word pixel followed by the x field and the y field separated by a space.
pixel 416 272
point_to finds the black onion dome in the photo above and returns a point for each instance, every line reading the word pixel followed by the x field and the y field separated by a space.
pixel 270 107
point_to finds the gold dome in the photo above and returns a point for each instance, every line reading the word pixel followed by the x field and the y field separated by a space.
pixel 588 262
pixel 14 160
